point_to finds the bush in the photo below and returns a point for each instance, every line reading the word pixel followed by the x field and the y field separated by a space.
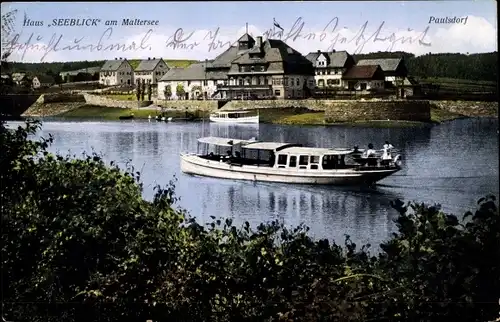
pixel 79 243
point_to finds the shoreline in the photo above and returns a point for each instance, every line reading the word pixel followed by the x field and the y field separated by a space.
pixel 282 116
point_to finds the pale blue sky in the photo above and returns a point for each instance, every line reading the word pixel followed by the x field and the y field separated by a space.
pixel 231 16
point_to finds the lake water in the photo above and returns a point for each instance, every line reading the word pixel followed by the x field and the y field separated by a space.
pixel 453 164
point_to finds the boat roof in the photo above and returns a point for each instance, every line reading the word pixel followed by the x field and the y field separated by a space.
pixel 222 141
pixel 227 112
pixel 269 146
pixel 316 151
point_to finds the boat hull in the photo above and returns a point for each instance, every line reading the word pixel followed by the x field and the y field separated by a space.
pixel 193 164
pixel 239 120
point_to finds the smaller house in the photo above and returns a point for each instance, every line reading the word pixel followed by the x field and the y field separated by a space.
pixel 150 70
pixel 329 67
pixel 18 77
pixel 190 80
pixel 116 72
pixel 41 81
pixel 365 77
pixel 395 70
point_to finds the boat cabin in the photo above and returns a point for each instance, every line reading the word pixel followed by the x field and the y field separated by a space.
pixel 274 154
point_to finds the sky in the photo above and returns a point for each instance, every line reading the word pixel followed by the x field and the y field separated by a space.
pixel 308 26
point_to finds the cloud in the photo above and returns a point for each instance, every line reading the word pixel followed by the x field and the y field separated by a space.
pixel 477 35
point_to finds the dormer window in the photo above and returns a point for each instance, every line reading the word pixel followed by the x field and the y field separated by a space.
pixel 252 69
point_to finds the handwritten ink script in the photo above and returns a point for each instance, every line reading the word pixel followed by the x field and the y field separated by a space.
pixel 210 40
pixel 54 44
pixel 330 34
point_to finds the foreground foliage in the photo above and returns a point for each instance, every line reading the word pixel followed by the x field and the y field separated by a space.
pixel 79 243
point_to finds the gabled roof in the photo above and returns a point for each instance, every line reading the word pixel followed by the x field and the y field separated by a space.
pixel 45 79
pixel 335 58
pixel 148 64
pixel 362 72
pixel 224 60
pixel 246 37
pixel 275 50
pixel 113 65
pixel 387 64
pixel 194 71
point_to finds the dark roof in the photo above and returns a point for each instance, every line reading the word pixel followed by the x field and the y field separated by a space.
pixel 112 65
pixel 362 72
pixel 148 64
pixel 194 71
pixel 224 60
pixel 335 58
pixel 45 79
pixel 277 51
pixel 387 64
pixel 246 37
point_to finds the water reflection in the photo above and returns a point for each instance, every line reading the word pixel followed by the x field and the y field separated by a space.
pixel 453 164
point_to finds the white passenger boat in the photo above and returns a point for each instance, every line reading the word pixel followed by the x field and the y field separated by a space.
pixel 283 162
pixel 234 117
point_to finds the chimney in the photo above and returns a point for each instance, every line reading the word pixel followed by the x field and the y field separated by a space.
pixel 319 51
pixel 116 58
pixel 258 43
pixel 149 58
pixel 153 58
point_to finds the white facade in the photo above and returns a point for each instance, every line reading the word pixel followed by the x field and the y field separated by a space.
pixel 123 75
pixel 193 88
pixel 151 76
pixel 37 83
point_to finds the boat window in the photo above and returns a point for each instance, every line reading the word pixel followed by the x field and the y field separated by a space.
pixel 282 159
pixel 328 162
pixel 314 159
pixel 293 162
pixel 303 160
pixel 314 166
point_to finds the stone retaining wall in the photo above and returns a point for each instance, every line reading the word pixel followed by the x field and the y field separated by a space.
pixel 348 110
pixel 378 110
pixel 468 108
pixel 60 98
pixel 209 105
pixel 99 100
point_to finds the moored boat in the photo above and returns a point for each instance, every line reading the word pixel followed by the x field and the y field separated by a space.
pixel 283 162
pixel 234 117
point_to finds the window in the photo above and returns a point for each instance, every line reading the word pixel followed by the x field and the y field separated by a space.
pixel 282 159
pixel 258 81
pixel 297 82
pixel 277 92
pixel 291 81
pixel 303 160
pixel 286 81
pixel 314 159
pixel 240 81
pixel 252 69
pixel 261 68
pixel 293 162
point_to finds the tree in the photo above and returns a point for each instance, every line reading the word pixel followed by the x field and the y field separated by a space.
pixel 77 232
pixel 167 92
pixel 179 91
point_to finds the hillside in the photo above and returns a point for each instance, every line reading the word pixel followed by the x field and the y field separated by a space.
pixel 475 67
pixel 51 68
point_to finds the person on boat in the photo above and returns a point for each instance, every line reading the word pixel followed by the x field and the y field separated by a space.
pixel 388 146
pixel 386 155
pixel 370 152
